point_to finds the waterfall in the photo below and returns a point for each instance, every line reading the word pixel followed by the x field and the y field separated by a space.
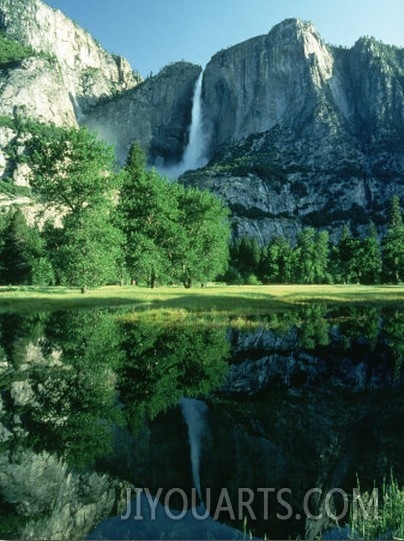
pixel 193 412
pixel 194 154
pixel 196 150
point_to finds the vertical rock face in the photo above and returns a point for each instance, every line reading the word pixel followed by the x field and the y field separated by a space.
pixel 303 133
pixel 268 80
pixel 156 113
pixel 291 78
pixel 62 72
pixel 88 71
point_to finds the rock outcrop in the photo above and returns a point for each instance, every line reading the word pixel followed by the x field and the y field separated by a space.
pixel 156 114
pixel 87 71
pixel 62 72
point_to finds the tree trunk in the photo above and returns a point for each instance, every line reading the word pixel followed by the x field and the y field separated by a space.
pixel 84 289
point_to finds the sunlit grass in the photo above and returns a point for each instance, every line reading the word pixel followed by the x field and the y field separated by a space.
pixel 235 301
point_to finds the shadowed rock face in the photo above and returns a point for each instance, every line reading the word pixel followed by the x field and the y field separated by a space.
pixel 156 113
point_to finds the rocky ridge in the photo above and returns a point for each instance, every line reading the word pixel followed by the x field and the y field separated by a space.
pixel 84 70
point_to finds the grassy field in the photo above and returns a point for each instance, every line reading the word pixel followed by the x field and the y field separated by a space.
pixel 214 298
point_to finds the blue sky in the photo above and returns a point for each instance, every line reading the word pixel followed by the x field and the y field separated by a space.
pixel 153 33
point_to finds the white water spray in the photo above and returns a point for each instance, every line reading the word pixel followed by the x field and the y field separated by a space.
pixel 194 155
pixel 193 412
pixel 195 152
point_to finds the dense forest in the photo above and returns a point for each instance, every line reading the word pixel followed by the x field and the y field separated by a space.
pixel 112 226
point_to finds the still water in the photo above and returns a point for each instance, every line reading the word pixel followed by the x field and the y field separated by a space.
pixel 119 427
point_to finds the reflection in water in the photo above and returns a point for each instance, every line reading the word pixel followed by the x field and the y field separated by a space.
pixel 194 416
pixel 90 398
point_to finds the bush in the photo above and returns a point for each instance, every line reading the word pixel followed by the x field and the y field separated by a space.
pixel 12 51
pixel 252 280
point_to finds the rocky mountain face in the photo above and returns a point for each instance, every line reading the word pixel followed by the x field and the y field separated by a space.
pixel 300 132
pixel 69 58
pixel 157 114
pixel 61 72
pixel 303 133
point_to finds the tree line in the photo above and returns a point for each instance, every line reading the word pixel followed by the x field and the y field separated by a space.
pixel 133 226
pixel 313 259
pixel 115 226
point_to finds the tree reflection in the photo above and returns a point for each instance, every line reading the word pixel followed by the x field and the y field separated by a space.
pixel 393 329
pixel 163 364
pixel 65 394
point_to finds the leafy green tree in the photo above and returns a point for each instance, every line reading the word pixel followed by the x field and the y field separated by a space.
pixel 171 232
pixel 203 251
pixel 86 251
pixel 276 262
pixel 73 173
pixel 72 169
pixel 147 214
pixel 393 245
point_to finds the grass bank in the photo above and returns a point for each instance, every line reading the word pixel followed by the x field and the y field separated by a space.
pixel 245 300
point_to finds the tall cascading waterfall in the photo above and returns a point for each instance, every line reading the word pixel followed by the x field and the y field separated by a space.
pixel 193 412
pixel 195 153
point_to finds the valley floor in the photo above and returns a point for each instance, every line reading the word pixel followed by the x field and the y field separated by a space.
pixel 212 298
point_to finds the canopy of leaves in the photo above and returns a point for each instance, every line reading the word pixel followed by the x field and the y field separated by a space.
pixel 171 232
pixel 71 168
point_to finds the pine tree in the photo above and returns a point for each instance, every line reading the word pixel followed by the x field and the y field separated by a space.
pixel 16 253
pixel 304 256
pixel 347 263
pixel 248 256
pixel 393 245
pixel 321 257
pixel 370 258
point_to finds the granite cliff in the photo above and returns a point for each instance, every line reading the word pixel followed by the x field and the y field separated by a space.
pixel 55 70
pixel 62 53
pixel 303 133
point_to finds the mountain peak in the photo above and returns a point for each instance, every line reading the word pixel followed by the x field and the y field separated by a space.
pixel 293 26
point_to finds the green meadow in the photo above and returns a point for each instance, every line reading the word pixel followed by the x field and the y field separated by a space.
pixel 243 300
